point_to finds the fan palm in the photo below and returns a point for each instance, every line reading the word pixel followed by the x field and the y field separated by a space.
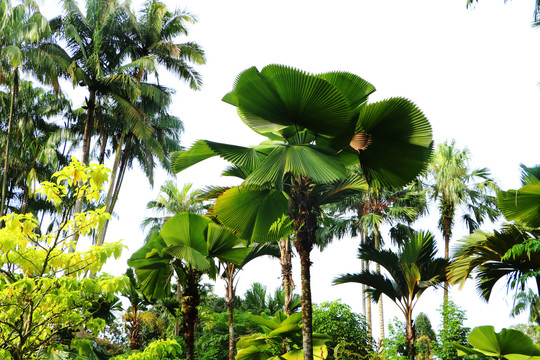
pixel 20 26
pixel 411 270
pixel 188 245
pixel 316 126
pixel 454 185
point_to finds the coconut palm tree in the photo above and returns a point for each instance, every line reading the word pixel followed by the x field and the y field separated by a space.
pixel 411 270
pixel 155 34
pixel 455 186
pixel 316 126
pixel 188 245
pixel 20 26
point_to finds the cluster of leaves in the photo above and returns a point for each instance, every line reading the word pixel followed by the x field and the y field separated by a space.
pixel 43 286
pixel 168 349
pixel 347 329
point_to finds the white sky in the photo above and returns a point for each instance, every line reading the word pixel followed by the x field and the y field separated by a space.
pixel 473 72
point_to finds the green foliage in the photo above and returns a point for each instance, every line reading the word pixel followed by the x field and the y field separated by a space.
pixel 281 338
pixel 426 339
pixel 159 349
pixel 347 329
pixel 508 344
pixel 394 346
pixel 451 331
pixel 44 290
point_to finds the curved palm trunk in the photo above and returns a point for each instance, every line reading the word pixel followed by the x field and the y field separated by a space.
pixel 305 225
pixel 112 184
pixel 286 273
pixel 14 95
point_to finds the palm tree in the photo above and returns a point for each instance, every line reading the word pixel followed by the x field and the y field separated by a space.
pixel 188 245
pixel 154 35
pixel 317 125
pixel 19 27
pixel 172 200
pixel 497 256
pixel 411 270
pixel 454 185
pixel 527 300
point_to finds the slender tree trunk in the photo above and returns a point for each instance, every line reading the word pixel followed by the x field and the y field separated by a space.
pixel 14 95
pixel 378 269
pixel 368 310
pixel 88 127
pixel 447 217
pixel 307 310
pixel 135 331
pixel 286 273
pixel 305 225
pixel 230 297
pixel 112 184
pixel 179 299
pixel 87 137
pixel 410 336
pixel 191 300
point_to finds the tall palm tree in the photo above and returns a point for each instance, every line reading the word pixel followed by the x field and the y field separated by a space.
pixel 411 270
pixel 454 186
pixel 189 245
pixel 316 126
pixel 39 140
pixel 20 26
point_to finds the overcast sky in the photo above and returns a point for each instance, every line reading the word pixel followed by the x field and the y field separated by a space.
pixel 474 73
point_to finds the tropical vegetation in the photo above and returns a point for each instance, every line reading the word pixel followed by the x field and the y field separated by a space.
pixel 330 163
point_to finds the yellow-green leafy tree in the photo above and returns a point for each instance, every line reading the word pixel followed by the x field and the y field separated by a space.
pixel 44 288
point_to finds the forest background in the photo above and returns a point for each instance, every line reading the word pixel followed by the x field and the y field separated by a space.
pixel 473 72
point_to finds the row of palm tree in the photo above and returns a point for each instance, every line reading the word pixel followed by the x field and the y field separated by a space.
pixel 116 56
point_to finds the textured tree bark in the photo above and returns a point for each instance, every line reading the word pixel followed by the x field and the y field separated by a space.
pixel 378 269
pixel 230 297
pixel 286 273
pixel 447 218
pixel 410 336
pixel 190 300
pixel 305 225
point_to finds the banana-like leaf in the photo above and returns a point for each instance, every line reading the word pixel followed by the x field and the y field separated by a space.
pixel 298 160
pixel 204 149
pixel 251 213
pixel 252 353
pixel 522 205
pixel 280 96
pixel 398 142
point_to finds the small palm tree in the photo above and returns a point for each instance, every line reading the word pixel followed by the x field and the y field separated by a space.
pixel 188 245
pixel 411 270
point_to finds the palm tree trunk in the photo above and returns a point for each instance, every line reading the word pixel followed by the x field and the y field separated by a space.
pixel 286 273
pixel 378 269
pixel 410 336
pixel 305 225
pixel 112 184
pixel 230 298
pixel 446 221
pixel 191 300
pixel 368 310
pixel 14 95
pixel 88 126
